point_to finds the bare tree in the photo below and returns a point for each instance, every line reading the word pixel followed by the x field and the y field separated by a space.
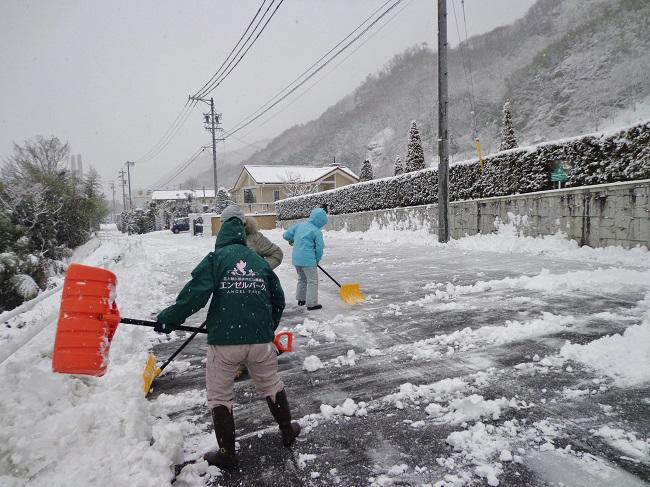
pixel 44 155
pixel 293 184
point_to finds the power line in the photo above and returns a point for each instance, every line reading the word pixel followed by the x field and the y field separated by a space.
pixel 171 132
pixel 306 71
pixel 187 163
pixel 198 94
pixel 218 81
pixel 467 68
pixel 185 112
pixel 311 75
pixel 310 87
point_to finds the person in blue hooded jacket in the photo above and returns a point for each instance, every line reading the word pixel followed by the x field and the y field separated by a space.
pixel 307 240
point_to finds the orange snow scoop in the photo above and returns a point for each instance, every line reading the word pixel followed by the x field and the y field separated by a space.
pixel 88 319
pixel 350 293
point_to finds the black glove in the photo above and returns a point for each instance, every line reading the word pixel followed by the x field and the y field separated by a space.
pixel 161 328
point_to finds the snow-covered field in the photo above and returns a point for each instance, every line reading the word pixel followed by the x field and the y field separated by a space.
pixel 492 360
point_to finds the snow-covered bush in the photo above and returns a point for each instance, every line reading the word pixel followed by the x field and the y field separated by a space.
pixel 590 159
pixel 366 171
pixel 44 212
pixel 508 139
pixel 224 199
pixel 414 151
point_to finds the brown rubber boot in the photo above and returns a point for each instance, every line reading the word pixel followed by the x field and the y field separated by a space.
pixel 224 430
pixel 280 411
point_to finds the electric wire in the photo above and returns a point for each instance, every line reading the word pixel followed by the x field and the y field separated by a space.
pixel 230 67
pixel 310 87
pixel 317 70
pixel 179 170
pixel 185 112
pixel 218 72
pixel 175 130
pixel 467 67
pixel 306 71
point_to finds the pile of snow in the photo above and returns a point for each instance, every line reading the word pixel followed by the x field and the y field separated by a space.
pixel 474 407
pixel 60 429
pixel 312 363
pixel 625 358
pixel 626 442
pixel 510 238
pixel 348 408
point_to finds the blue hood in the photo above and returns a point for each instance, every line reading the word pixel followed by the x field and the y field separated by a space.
pixel 318 217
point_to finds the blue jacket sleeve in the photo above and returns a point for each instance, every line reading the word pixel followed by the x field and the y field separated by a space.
pixel 319 245
pixel 288 235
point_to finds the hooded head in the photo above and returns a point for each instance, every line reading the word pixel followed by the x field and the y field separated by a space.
pixel 318 217
pixel 251 225
pixel 231 232
pixel 232 211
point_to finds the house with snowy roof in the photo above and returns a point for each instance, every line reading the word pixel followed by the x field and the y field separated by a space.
pixel 205 196
pixel 258 187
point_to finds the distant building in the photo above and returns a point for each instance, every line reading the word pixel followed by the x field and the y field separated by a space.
pixel 258 187
pixel 199 196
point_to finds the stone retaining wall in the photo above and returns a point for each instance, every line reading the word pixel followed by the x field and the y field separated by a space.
pixel 598 216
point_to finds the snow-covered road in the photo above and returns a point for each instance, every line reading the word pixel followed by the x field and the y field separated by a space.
pixel 486 361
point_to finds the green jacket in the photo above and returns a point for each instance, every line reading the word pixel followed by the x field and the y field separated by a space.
pixel 247 299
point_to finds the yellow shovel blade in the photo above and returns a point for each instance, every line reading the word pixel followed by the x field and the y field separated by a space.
pixel 351 294
pixel 150 373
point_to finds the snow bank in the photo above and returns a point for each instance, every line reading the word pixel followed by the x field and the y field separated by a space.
pixel 626 357
pixel 509 238
pixel 58 430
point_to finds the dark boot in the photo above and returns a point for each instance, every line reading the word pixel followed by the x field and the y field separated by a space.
pixel 280 411
pixel 224 430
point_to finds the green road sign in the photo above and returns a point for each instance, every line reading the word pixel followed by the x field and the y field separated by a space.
pixel 559 175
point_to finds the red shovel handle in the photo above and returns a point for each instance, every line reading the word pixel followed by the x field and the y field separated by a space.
pixel 277 341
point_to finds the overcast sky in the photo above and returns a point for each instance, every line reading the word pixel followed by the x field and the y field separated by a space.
pixel 111 76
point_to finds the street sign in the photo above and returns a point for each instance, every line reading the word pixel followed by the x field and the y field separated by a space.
pixel 559 175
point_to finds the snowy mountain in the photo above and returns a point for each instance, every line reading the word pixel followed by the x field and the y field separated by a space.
pixel 569 67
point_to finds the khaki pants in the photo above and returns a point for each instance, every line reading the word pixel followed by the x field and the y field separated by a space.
pixel 222 364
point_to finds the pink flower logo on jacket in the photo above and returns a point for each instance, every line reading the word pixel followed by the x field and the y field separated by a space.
pixel 240 270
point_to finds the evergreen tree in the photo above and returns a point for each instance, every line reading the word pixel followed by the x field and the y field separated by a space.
pixel 398 167
pixel 366 171
pixel 414 152
pixel 223 199
pixel 508 140
pixel 45 211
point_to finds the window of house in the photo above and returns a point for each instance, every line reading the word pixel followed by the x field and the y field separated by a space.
pixel 276 194
pixel 249 196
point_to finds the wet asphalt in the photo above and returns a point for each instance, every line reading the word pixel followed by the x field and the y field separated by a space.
pixel 360 451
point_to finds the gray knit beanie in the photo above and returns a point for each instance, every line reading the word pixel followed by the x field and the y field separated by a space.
pixel 232 211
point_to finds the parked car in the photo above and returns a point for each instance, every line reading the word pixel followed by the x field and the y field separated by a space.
pixel 181 225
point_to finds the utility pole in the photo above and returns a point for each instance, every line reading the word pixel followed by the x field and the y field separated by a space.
pixel 443 132
pixel 211 122
pixel 113 190
pixel 128 171
pixel 123 183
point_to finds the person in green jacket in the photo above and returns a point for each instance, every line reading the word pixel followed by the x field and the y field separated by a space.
pixel 246 307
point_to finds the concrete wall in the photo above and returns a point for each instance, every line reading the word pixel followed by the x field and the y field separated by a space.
pixel 264 222
pixel 598 216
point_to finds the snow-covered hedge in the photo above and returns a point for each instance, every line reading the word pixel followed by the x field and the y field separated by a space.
pixel 589 159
